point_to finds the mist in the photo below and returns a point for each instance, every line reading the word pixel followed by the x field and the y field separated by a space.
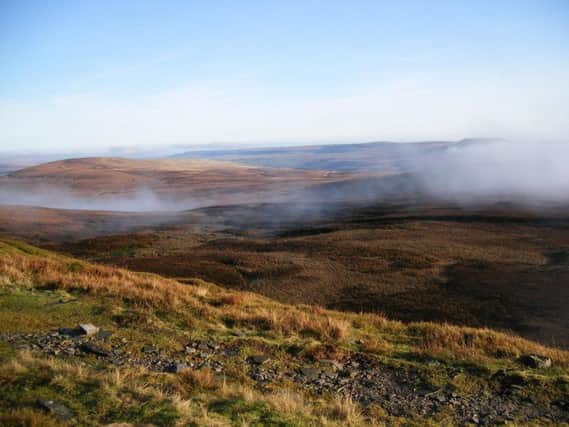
pixel 468 172
pixel 529 173
pixel 141 200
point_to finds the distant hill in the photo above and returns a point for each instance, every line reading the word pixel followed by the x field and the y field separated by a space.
pixel 149 183
pixel 371 156
pixel 117 175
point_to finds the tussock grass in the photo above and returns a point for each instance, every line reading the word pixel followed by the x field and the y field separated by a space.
pixel 457 342
pixel 204 302
pixel 346 411
pixel 144 289
pixel 304 320
pixel 28 418
pixel 201 397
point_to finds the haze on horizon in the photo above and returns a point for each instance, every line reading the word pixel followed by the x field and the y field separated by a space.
pixel 92 75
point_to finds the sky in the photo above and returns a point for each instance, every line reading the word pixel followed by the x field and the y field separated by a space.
pixel 96 74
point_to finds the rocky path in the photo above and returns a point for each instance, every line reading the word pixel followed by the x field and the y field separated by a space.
pixel 358 376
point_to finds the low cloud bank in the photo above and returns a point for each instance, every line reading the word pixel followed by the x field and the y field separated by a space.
pixel 142 200
pixel 471 172
pixel 522 172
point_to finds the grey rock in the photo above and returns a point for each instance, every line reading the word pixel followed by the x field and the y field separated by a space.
pixel 67 331
pixel 104 335
pixel 309 373
pixel 88 329
pixel 177 367
pixel 93 349
pixel 441 398
pixel 331 363
pixel 149 348
pixel 535 361
pixel 232 352
pixel 60 411
pixel 351 373
pixel 203 346
pixel 259 359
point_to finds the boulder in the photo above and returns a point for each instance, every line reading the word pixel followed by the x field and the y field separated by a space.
pixel 535 361
pixel 333 364
pixel 68 332
pixel 93 349
pixel 149 348
pixel 309 373
pixel 259 359
pixel 87 329
pixel 177 367
pixel 57 409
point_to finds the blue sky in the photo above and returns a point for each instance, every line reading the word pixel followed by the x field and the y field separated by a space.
pixel 84 74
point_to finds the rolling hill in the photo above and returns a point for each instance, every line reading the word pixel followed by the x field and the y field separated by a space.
pixel 126 184
pixel 372 156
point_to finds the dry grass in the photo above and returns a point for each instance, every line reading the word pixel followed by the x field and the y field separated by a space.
pixel 27 418
pixel 200 302
pixel 203 378
pixel 149 290
pixel 346 411
pixel 303 320
pixel 193 395
pixel 190 393
pixel 376 345
pixel 288 402
pixel 230 299
pixel 62 273
pixel 469 343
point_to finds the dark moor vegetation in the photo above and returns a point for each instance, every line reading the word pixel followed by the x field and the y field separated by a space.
pixel 497 267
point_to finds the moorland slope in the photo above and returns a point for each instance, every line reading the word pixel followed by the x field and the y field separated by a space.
pixel 195 354
pixel 62 183
pixel 500 266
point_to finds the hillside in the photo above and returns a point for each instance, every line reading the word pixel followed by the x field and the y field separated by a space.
pixel 46 224
pixel 126 184
pixel 195 354
pixel 497 266
pixel 373 156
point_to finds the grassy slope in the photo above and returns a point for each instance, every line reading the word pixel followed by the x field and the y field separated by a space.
pixel 42 291
pixel 470 272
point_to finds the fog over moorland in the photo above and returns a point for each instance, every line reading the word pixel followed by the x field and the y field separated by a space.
pixel 468 172
pixel 524 172
pixel 141 200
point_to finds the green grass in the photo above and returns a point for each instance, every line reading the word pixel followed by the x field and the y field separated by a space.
pixel 23 310
pixel 256 414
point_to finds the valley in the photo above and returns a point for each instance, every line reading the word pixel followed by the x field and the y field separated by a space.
pixel 360 292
